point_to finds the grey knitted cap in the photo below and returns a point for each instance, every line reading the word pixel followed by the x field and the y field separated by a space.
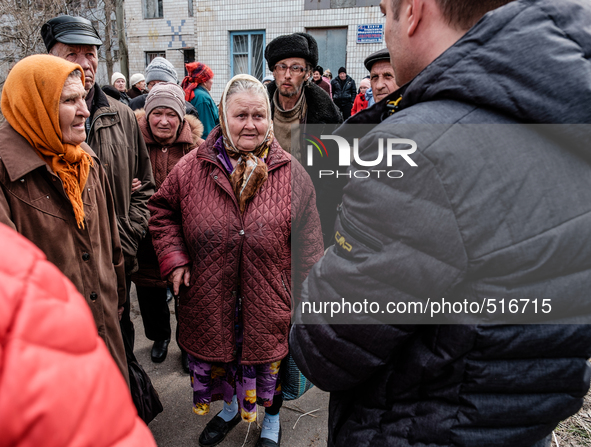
pixel 161 70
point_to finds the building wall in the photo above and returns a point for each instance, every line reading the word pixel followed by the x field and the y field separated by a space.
pixel 209 31
pixel 168 34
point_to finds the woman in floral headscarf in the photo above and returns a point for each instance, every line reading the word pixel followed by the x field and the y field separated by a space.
pixel 197 87
pixel 231 223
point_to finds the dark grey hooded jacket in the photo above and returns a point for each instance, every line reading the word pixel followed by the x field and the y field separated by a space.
pixel 492 210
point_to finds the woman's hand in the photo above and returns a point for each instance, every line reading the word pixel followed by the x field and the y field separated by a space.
pixel 179 276
pixel 135 185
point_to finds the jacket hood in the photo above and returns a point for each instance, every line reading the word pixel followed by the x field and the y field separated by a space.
pixel 528 60
pixel 190 133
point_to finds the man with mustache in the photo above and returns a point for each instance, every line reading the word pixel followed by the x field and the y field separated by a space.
pixel 296 102
pixel 381 75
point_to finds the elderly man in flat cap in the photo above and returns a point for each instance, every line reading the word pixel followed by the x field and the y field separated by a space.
pixel 113 133
pixel 297 101
pixel 381 75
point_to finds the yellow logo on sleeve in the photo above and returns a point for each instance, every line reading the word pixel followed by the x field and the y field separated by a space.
pixel 341 241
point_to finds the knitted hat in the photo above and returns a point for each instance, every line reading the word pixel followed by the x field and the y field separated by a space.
pixel 116 76
pixel 342 70
pixel 135 78
pixel 382 55
pixel 166 94
pixel 161 70
pixel 199 72
pixel 70 31
pixel 292 45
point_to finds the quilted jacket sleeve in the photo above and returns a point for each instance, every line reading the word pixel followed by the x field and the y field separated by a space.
pixel 59 385
pixel 399 242
pixel 306 233
pixel 166 219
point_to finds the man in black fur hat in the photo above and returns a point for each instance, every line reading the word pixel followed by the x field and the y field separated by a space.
pixel 297 102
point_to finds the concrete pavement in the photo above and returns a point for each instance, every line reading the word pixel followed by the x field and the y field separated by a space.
pixel 178 426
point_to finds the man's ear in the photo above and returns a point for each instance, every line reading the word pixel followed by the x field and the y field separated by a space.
pixel 414 14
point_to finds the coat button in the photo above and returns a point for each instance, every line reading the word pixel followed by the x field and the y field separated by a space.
pixel 215 177
pixel 85 256
pixel 22 180
pixel 234 352
pixel 241 233
pixel 93 296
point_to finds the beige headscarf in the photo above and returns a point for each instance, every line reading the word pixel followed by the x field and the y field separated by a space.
pixel 251 172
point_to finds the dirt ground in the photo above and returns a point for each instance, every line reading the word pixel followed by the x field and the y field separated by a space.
pixel 575 431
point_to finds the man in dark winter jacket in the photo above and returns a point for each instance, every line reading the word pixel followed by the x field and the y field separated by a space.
pixel 344 92
pixel 296 102
pixel 487 211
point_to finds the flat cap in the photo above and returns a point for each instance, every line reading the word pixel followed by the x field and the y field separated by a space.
pixel 382 55
pixel 70 31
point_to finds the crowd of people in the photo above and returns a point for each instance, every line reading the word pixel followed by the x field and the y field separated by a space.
pixel 214 205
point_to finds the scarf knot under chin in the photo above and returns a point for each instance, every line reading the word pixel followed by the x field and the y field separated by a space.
pixel 250 172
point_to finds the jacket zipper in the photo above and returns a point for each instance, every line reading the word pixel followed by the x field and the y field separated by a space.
pixel 366 239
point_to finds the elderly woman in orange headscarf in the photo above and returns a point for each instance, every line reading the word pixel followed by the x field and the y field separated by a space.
pixel 53 190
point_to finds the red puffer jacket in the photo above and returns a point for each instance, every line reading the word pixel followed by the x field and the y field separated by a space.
pixel 59 385
pixel 196 220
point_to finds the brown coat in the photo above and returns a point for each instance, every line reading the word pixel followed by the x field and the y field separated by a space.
pixel 33 202
pixel 117 141
pixel 196 220
pixel 162 162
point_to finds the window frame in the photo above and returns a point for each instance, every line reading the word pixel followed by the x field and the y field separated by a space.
pixel 249 33
pixel 159 5
pixel 156 53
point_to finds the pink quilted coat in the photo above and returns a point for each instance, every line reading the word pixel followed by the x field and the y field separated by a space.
pixel 196 220
pixel 59 386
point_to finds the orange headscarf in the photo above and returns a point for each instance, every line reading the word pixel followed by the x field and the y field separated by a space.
pixel 30 104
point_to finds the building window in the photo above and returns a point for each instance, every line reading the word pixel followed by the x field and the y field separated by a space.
pixel 153 9
pixel 150 55
pixel 190 8
pixel 247 53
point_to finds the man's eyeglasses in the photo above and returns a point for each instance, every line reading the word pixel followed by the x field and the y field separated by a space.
pixel 294 69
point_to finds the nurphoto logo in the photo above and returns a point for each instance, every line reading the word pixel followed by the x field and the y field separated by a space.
pixel 394 147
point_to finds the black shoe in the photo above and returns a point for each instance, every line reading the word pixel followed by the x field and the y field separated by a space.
pixel 159 350
pixel 266 442
pixel 216 430
pixel 185 361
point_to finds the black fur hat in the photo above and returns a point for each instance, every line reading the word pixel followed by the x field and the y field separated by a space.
pixel 292 45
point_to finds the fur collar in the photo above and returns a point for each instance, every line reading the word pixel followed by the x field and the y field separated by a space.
pixel 194 124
